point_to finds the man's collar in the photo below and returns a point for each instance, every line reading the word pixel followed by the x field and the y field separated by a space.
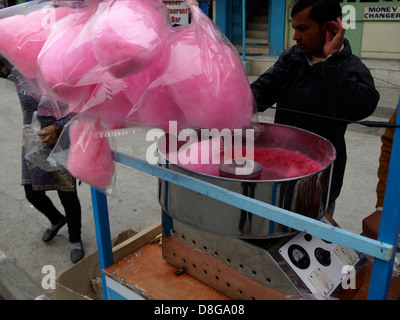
pixel 313 60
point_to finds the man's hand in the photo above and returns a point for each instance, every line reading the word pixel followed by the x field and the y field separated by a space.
pixel 48 135
pixel 334 37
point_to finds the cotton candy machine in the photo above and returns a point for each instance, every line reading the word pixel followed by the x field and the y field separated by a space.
pixel 239 253
pixel 283 166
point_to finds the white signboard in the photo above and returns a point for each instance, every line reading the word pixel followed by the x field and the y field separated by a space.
pixel 382 13
pixel 178 12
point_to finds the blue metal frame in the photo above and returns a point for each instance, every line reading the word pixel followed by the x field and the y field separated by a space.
pixel 382 249
pixel 389 229
pixel 103 235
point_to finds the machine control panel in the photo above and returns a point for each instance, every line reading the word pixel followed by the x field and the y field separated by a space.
pixel 321 265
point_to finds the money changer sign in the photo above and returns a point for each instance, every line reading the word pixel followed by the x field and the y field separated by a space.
pixel 382 13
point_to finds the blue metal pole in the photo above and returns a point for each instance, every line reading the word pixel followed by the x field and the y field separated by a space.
pixel 277 19
pixel 103 235
pixel 243 30
pixel 390 226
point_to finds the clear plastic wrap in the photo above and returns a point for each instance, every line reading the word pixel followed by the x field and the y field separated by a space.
pixel 35 150
pixel 64 61
pixel 122 63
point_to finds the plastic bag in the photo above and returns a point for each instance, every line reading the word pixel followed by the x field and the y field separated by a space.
pixel 86 152
pixel 126 35
pixel 62 67
pixel 35 150
pixel 23 34
pixel 24 31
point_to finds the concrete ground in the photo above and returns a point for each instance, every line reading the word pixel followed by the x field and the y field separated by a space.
pixel 134 204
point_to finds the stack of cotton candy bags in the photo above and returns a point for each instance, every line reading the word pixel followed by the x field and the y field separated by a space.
pixel 129 40
pixel 198 80
pixel 123 62
pixel 188 74
pixel 206 78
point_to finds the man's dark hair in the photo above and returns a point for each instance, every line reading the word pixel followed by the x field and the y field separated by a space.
pixel 322 10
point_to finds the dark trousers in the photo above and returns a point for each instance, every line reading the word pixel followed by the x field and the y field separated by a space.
pixel 69 201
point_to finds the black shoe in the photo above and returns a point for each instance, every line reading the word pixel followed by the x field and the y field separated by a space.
pixel 77 252
pixel 50 234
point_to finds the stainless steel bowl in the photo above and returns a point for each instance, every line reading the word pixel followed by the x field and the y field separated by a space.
pixel 306 195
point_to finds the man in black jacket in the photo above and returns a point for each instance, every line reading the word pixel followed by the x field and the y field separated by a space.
pixel 319 81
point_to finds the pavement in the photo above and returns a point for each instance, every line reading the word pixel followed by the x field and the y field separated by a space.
pixel 133 204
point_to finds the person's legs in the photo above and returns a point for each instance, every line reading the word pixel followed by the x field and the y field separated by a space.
pixel 42 202
pixel 72 206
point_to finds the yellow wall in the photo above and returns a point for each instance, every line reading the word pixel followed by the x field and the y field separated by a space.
pixel 381 40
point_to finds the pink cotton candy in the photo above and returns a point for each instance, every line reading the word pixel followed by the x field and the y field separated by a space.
pixel 22 37
pixel 90 157
pixel 154 105
pixel 64 61
pixel 207 78
pixel 109 102
pixel 128 34
pixel 284 163
pixel 152 102
pixel 158 108
pixel 277 163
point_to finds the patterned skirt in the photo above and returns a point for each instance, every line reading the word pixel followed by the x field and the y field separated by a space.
pixel 44 180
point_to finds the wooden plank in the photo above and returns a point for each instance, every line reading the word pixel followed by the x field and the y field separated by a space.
pixel 137 241
pixel 146 273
